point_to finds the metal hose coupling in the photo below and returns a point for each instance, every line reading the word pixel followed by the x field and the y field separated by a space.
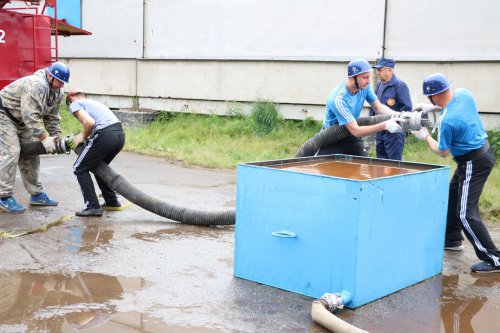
pixel 62 144
pixel 334 301
pixel 413 121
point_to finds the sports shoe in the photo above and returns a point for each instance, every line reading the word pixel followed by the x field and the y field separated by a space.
pixel 88 212
pixel 10 205
pixel 485 267
pixel 41 199
pixel 453 246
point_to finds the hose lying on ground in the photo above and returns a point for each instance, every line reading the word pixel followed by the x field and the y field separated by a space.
pixel 333 134
pixel 141 199
pixel 331 322
pixel 322 313
pixel 186 215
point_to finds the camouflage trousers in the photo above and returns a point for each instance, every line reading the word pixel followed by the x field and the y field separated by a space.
pixel 11 136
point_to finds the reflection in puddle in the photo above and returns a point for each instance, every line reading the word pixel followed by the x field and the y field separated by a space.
pixel 465 303
pixel 470 311
pixel 85 239
pixel 33 302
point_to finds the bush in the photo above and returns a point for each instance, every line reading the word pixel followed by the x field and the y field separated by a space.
pixel 265 117
pixel 494 139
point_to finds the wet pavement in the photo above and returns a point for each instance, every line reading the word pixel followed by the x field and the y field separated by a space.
pixel 133 271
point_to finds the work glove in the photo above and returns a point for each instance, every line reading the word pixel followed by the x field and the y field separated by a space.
pixel 392 126
pixel 76 140
pixel 424 107
pixel 49 144
pixel 421 134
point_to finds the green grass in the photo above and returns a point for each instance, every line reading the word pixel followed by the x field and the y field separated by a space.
pixel 217 142
pixel 223 142
pixel 69 124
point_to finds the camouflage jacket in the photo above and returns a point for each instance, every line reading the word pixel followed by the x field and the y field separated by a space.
pixel 31 101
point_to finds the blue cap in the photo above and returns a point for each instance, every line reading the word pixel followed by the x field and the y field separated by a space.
pixel 384 62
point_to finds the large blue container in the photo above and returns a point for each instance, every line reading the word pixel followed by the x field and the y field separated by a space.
pixel 310 233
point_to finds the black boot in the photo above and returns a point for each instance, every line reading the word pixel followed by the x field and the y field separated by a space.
pixel 90 212
pixel 111 204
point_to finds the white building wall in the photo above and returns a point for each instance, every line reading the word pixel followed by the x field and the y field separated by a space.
pixel 207 56
pixel 444 30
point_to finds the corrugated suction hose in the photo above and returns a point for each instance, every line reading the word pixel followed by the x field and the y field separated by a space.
pixel 333 134
pixel 186 215
pixel 141 199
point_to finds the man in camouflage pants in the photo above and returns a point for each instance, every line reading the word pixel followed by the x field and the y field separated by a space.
pixel 29 108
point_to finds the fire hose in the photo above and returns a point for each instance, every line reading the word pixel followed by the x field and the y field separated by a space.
pixel 141 199
pixel 409 120
pixel 413 121
pixel 323 308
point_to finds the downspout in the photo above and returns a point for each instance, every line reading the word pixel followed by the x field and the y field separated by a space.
pixel 143 29
pixel 385 28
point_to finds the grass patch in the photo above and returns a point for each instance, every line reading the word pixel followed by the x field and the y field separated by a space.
pixel 222 142
pixel 218 142
pixel 69 123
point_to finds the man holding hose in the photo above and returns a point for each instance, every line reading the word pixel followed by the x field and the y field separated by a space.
pixel 103 138
pixel 344 105
pixel 462 135
pixel 29 111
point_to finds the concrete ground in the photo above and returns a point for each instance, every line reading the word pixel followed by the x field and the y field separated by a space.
pixel 133 271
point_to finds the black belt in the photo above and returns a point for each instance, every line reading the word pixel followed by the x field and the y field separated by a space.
pixel 11 117
pixel 473 154
pixel 110 128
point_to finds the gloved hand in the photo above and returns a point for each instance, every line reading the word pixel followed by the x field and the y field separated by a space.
pixel 421 134
pixel 392 126
pixel 424 107
pixel 49 144
pixel 76 141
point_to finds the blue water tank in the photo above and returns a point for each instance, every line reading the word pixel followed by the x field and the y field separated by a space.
pixel 371 232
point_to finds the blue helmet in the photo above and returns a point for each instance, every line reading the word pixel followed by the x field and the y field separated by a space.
pixel 358 66
pixel 435 84
pixel 60 71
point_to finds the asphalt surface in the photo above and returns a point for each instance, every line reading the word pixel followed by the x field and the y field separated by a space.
pixel 133 271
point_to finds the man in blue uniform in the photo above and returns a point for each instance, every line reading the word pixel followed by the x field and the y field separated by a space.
pixel 461 133
pixel 103 138
pixel 394 93
pixel 344 105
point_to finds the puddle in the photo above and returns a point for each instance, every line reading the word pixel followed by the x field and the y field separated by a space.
pixel 184 231
pixel 465 303
pixel 32 302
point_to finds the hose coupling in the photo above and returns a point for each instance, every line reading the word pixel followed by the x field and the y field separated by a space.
pixel 62 145
pixel 332 301
pixel 412 121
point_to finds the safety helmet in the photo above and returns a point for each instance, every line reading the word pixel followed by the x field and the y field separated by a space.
pixel 358 66
pixel 72 92
pixel 60 71
pixel 435 84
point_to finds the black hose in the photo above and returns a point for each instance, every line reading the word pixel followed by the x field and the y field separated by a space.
pixel 141 199
pixel 333 134
pixel 149 203
pixel 192 216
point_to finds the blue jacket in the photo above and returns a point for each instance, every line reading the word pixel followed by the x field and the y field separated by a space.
pixel 394 94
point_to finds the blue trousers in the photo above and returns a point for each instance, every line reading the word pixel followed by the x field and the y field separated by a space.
pixel 390 145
